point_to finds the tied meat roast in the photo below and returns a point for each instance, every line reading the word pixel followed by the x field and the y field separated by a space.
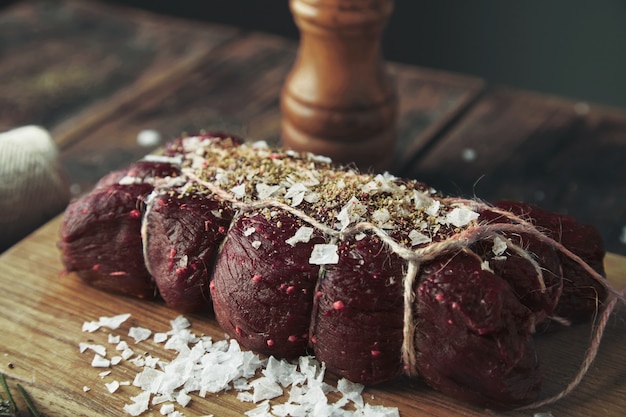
pixel 377 276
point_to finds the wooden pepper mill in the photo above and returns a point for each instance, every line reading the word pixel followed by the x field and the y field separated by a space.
pixel 338 99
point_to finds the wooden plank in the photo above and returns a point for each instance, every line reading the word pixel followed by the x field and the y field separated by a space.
pixel 66 57
pixel 235 89
pixel 429 101
pixel 562 155
pixel 42 312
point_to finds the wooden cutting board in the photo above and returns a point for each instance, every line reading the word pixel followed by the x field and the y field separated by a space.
pixel 42 311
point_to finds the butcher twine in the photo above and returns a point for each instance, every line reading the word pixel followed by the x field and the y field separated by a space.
pixel 458 242
pixel 32 186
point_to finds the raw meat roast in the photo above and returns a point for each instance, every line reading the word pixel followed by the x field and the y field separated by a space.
pixel 377 276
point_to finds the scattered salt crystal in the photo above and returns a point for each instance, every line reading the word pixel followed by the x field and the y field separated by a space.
pixel 381 217
pixel 256 244
pixel 115 360
pixel 296 194
pixel 320 158
pixel 244 397
pixel 90 326
pixel 418 238
pixel 280 371
pixel 239 191
pixel 303 234
pixel 113 322
pixel 379 411
pixel 167 409
pixel 461 216
pixel 485 266
pixel 499 246
pixel 149 379
pixel 160 337
pixel 121 345
pixel 179 323
pixel 249 231
pixel 183 398
pixel 104 374
pixel 259 144
pixel 99 349
pixel 127 353
pixel 324 254
pixel 468 154
pixel 148 138
pixel 100 362
pixel 112 386
pixel 433 208
pixel 351 212
pixel 86 388
pixel 265 191
pixel 113 339
pixel 139 405
pixel 139 333
pixel 360 236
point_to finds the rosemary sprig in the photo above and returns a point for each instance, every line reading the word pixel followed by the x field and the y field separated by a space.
pixel 8 407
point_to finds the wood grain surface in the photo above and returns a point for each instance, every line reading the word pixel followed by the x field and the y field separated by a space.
pixel 42 311
pixel 565 156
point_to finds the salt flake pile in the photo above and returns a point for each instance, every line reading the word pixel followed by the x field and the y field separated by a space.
pixel 203 366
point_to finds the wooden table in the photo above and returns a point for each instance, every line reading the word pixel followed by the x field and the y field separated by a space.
pixel 97 76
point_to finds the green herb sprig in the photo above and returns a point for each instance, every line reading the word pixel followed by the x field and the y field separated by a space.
pixel 8 407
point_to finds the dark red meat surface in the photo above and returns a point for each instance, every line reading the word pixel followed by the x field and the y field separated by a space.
pixel 474 338
pixel 181 234
pixel 358 321
pixel 263 292
pixel 101 240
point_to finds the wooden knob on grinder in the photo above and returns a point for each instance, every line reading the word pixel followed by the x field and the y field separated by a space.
pixel 338 99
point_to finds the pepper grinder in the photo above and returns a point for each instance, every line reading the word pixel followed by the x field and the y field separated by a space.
pixel 338 100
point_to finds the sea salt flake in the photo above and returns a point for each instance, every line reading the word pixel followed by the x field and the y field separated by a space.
pixel 499 246
pixel 115 360
pixel 113 339
pixel 86 388
pixel 418 238
pixel 256 244
pixel 180 323
pixel 265 191
pixel 433 208
pixel 112 386
pixel 351 212
pixel 140 404
pixel 183 399
pixel 127 353
pixel 139 334
pixel 265 389
pixel 166 409
pixel 104 374
pixel 249 231
pixel 121 345
pixel 100 362
pixel 303 234
pixel 239 191
pixel 99 349
pixel 160 337
pixel 113 322
pixel 324 254
pixel 461 216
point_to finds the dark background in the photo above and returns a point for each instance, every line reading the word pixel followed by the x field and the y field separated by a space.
pixel 573 48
